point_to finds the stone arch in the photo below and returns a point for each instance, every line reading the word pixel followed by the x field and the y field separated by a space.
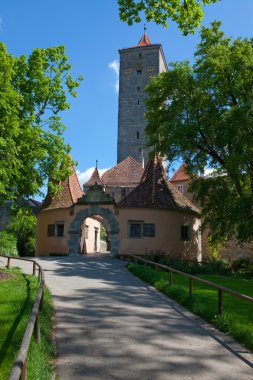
pixel 73 243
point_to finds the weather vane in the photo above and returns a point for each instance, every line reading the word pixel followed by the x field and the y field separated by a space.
pixel 145 28
pixel 96 164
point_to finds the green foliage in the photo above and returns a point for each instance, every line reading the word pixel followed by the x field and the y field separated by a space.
pixel 236 319
pixel 103 233
pixel 186 13
pixel 202 114
pixel 8 244
pixel 23 225
pixel 33 92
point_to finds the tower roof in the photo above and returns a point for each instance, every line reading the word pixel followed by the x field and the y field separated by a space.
pixel 94 179
pixel 69 193
pixel 127 173
pixel 180 174
pixel 155 191
pixel 144 41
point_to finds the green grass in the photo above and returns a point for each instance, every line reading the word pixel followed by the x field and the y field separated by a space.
pixel 17 296
pixel 237 317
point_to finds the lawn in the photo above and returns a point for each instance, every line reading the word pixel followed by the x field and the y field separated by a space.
pixel 17 295
pixel 237 316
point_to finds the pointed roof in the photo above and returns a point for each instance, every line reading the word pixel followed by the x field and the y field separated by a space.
pixel 67 196
pixel 94 179
pixel 155 191
pixel 127 173
pixel 180 175
pixel 144 41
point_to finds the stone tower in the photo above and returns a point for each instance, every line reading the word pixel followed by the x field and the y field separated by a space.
pixel 137 65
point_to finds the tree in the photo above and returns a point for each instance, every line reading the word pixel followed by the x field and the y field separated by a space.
pixel 203 114
pixel 186 13
pixel 23 226
pixel 33 92
pixel 8 244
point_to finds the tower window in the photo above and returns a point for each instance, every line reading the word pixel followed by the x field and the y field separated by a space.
pixel 138 88
pixel 185 233
pixel 138 102
pixel 139 55
pixel 138 135
pixel 139 72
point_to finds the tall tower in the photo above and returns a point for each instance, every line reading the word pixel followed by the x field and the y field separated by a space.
pixel 137 65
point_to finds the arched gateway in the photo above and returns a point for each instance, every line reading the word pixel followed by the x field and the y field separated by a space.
pixel 73 243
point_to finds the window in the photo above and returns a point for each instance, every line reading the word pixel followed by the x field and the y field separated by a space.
pixel 148 229
pixel 123 191
pixel 50 230
pixel 140 55
pixel 180 188
pixel 138 88
pixel 137 135
pixel 139 72
pixel 138 102
pixel 55 229
pixel 139 229
pixel 135 230
pixel 185 233
pixel 86 232
pixel 150 70
pixel 59 229
pixel 127 72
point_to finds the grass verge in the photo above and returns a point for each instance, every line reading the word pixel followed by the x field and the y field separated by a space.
pixel 237 317
pixel 17 295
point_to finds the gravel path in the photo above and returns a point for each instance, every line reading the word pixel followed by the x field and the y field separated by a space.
pixel 111 325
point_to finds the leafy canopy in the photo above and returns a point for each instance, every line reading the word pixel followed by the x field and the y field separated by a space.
pixel 186 13
pixel 203 114
pixel 33 92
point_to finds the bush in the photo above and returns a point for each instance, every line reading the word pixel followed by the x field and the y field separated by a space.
pixel 8 244
pixel 30 246
pixel 242 266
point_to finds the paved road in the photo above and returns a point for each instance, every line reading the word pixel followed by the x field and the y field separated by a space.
pixel 110 325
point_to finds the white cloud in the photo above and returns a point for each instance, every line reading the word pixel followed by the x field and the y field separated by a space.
pixel 114 65
pixel 85 176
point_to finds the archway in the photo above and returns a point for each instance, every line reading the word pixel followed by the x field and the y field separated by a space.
pixel 73 243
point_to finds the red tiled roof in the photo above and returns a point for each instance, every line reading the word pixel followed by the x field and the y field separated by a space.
pixel 127 173
pixel 155 191
pixel 144 41
pixel 94 179
pixel 67 196
pixel 180 174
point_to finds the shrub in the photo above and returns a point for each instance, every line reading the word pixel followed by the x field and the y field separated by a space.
pixel 8 244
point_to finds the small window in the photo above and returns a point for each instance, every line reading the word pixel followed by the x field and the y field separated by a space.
pixel 140 55
pixel 139 72
pixel 86 232
pixel 60 229
pixel 50 230
pixel 138 102
pixel 123 191
pixel 185 233
pixel 138 88
pixel 135 230
pixel 180 188
pixel 148 229
pixel 138 135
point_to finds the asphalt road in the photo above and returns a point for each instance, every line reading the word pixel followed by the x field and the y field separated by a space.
pixel 111 325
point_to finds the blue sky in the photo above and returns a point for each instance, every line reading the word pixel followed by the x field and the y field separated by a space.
pixel 92 34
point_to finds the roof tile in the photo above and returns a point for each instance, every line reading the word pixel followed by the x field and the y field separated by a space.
pixel 155 191
pixel 127 173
